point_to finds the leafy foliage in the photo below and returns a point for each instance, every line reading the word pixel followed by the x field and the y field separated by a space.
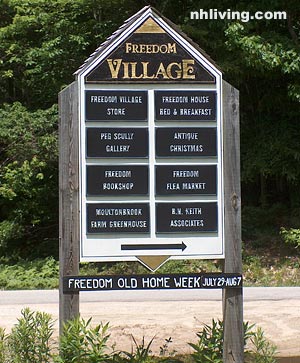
pixel 263 351
pixel 28 177
pixel 141 353
pixel 267 56
pixel 34 274
pixel 3 345
pixel 81 343
pixel 291 236
pixel 43 42
pixel 30 339
pixel 209 347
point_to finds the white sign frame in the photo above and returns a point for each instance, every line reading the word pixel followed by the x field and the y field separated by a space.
pixel 101 247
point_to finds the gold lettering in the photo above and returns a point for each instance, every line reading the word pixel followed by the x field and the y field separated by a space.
pixel 150 48
pixel 114 67
pixel 172 48
pixel 188 69
pixel 127 47
pixel 139 70
pixel 161 71
pixel 142 48
pixel 177 71
pixel 126 70
pixel 163 48
pixel 133 71
pixel 145 71
pixel 155 48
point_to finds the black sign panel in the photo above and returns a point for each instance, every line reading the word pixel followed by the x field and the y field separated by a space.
pixel 186 217
pixel 116 105
pixel 150 56
pixel 117 142
pixel 117 180
pixel 186 141
pixel 72 284
pixel 118 217
pixel 189 179
pixel 185 105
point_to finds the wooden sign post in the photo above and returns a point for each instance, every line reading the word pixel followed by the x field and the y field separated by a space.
pixel 233 350
pixel 68 199
pixel 149 167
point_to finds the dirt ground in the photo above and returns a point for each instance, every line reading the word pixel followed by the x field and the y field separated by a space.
pixel 180 320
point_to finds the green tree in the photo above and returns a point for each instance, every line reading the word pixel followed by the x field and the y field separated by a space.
pixel 28 178
pixel 269 85
pixel 42 42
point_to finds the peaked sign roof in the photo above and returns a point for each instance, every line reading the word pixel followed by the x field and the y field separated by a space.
pixel 148 48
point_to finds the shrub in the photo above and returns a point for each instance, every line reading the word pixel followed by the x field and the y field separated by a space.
pixel 3 352
pixel 262 350
pixel 291 236
pixel 209 347
pixel 36 274
pixel 29 341
pixel 141 353
pixel 81 343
